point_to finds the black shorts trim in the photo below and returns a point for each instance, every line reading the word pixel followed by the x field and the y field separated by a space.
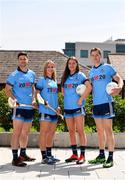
pixel 71 111
pixel 25 113
pixel 53 117
pixel 104 109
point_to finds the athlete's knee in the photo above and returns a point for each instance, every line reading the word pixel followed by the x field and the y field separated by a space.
pixel 80 132
pixel 100 131
pixel 25 132
pixel 109 132
pixel 15 136
pixel 51 133
pixel 16 132
pixel 71 132
pixel 44 132
pixel 24 135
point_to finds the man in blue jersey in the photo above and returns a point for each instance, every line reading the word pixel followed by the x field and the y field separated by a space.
pixel 20 87
pixel 103 111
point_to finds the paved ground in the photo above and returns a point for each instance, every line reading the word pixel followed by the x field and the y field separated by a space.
pixel 61 170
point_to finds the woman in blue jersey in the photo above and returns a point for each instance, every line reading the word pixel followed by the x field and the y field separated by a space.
pixel 20 87
pixel 48 89
pixel 103 111
pixel 74 107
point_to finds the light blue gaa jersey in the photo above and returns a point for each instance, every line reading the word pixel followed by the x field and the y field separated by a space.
pixel 22 83
pixel 100 76
pixel 49 91
pixel 70 95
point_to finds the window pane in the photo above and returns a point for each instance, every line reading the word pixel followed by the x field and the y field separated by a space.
pixel 70 45
pixel 105 54
pixel 120 48
pixel 84 53
pixel 69 52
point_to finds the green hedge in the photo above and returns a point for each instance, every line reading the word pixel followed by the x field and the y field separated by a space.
pixel 5 112
pixel 118 123
pixel 119 120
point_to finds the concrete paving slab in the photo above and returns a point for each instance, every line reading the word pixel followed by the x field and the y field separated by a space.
pixel 61 171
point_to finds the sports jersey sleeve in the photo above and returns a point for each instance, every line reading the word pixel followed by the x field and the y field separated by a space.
pixel 83 77
pixel 33 74
pixel 90 76
pixel 39 85
pixel 11 80
pixel 112 70
pixel 34 78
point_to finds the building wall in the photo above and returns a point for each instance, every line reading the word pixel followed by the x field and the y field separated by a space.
pixel 111 47
pixel 82 49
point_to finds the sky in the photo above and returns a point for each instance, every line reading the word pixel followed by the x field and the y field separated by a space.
pixel 48 24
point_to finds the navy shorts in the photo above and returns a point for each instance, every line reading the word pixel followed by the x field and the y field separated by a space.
pixel 104 111
pixel 25 115
pixel 71 113
pixel 48 118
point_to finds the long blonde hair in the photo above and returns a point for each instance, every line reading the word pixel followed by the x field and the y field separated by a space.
pixel 45 69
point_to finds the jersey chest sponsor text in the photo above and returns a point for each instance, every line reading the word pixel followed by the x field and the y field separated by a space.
pixel 52 90
pixel 98 77
pixel 26 84
pixel 69 86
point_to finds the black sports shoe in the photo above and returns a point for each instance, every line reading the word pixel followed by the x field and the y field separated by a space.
pixel 18 162
pixel 54 159
pixel 26 158
pixel 48 160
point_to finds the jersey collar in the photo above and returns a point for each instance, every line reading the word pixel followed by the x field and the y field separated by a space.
pixel 22 71
pixel 72 74
pixel 48 77
pixel 98 66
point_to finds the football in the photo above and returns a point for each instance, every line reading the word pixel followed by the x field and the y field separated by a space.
pixel 80 89
pixel 110 86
